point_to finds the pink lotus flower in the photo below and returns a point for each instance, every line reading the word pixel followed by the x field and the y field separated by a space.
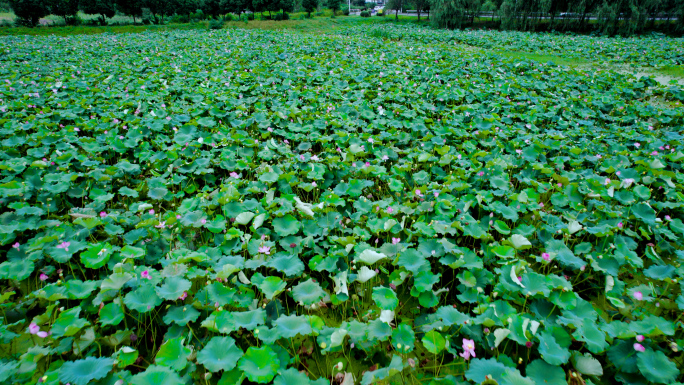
pixel 234 175
pixel 546 257
pixel 638 295
pixel 35 329
pixel 390 210
pixel 640 338
pixel 151 211
pixel 314 184
pixel 265 250
pixel 43 277
pixel 396 240
pixel 385 157
pixel 204 221
pixel 639 348
pixel 103 214
pixel 145 274
pixel 161 225
pixel 420 194
pixel 183 296
pixel 178 216
pixel 16 245
pixel 481 173
pixel 667 217
pixel 637 145
pixel 468 349
pixel 620 225
pixel 269 129
pixel 64 245
pixel 370 140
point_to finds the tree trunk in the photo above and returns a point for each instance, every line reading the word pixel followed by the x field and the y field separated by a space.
pixel 269 14
pixel 418 13
pixel 396 15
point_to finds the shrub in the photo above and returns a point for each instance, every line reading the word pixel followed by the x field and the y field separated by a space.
pixel 281 16
pixel 215 24
pixel 365 14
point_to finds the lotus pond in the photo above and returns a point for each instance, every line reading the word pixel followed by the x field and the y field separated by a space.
pixel 650 51
pixel 269 207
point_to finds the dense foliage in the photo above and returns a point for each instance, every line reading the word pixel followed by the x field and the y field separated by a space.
pixel 253 207
pixel 656 51
pixel 625 17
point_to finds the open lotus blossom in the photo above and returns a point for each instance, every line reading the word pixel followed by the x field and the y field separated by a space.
pixel 145 274
pixel 638 295
pixel 43 277
pixel 468 349
pixel 35 329
pixel 64 245
pixel 16 245
pixel 390 210
pixel 234 175
pixel 639 347
pixel 183 296
pixel 396 240
pixel 161 225
pixel 265 250
pixel 419 193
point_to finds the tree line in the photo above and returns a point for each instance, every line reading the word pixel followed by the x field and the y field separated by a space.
pixel 29 12
pixel 624 17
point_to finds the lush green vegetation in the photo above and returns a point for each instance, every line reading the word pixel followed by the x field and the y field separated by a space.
pixel 654 51
pixel 250 206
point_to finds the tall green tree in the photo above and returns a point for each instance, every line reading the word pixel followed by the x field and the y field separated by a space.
pixel 334 5
pixel 29 12
pixel 309 6
pixel 421 5
pixel 66 9
pixel 159 9
pixel 104 8
pixel 396 6
pixel 132 8
pixel 454 13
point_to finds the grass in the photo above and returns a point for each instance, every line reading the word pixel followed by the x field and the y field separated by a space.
pixel 90 30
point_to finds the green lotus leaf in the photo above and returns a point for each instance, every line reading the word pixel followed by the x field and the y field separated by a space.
pixel 173 354
pixel 545 374
pixel 96 255
pixel 385 298
pixel 172 288
pixel 155 375
pixel 259 364
pixel 307 292
pixel 143 299
pixel 403 338
pixel 370 257
pixel 219 354
pixel 181 315
pixel 287 225
pixel 434 342
pixel 16 270
pixel 479 369
pixel 249 320
pixel 656 367
pixel 291 326
pixel 269 286
pixel 412 261
pixel 82 372
pixel 550 350
pixel 111 314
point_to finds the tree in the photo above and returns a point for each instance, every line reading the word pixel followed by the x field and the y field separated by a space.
pixel 454 13
pixel 334 5
pixel 64 8
pixel 421 5
pixel 309 6
pixel 29 12
pixel 212 7
pixel 395 5
pixel 132 8
pixel 104 8
pixel 159 8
